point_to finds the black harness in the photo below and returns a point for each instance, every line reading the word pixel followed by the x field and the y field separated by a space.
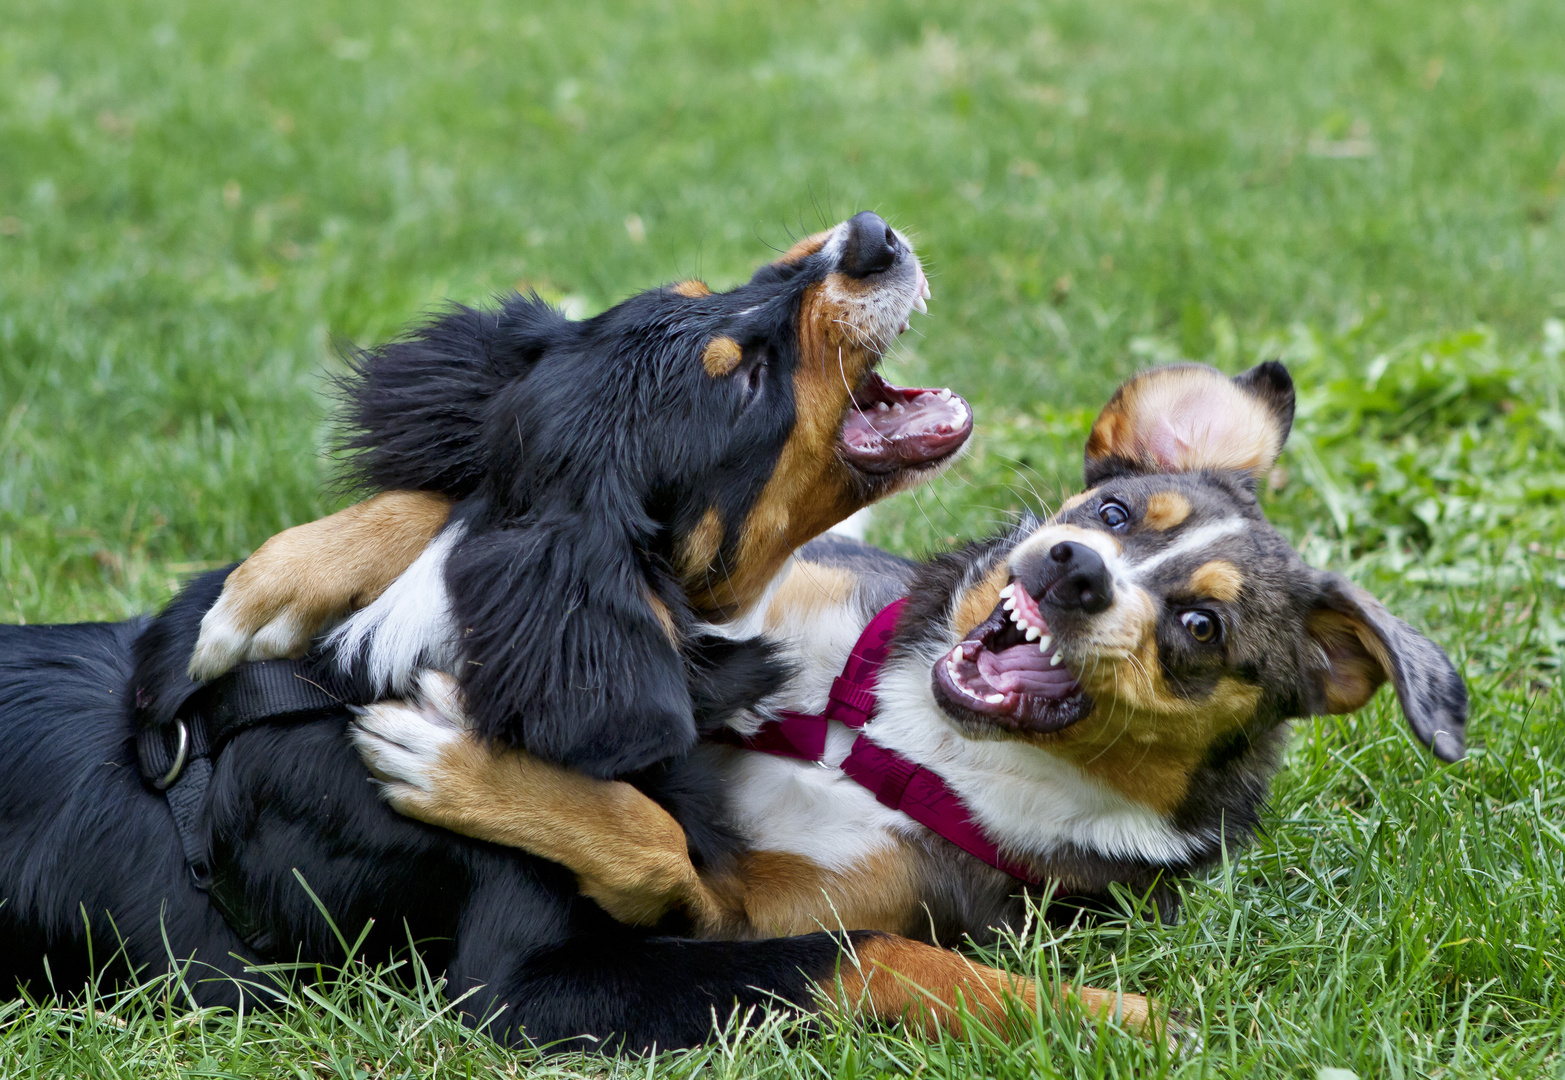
pixel 176 758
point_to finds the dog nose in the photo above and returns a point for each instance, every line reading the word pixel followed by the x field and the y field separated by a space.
pixel 871 246
pixel 1083 583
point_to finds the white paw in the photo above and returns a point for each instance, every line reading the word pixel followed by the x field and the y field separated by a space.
pixel 225 640
pixel 403 741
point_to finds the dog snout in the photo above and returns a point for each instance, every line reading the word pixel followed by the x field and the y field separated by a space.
pixel 1081 580
pixel 870 247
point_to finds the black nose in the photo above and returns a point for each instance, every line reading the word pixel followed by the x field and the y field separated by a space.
pixel 1084 582
pixel 871 246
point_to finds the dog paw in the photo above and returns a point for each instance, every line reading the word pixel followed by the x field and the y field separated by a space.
pixel 407 743
pixel 233 632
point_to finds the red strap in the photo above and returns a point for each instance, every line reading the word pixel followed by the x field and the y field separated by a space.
pixel 926 798
pixel 896 782
pixel 852 697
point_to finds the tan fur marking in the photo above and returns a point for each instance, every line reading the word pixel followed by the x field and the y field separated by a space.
pixel 1183 418
pixel 808 588
pixel 692 289
pixel 810 489
pixel 312 574
pixel 664 617
pixel 1074 501
pixel 721 356
pixel 1165 510
pixel 803 249
pixel 975 605
pixel 629 855
pixel 1142 739
pixel 1359 662
pixel 897 979
pixel 700 548
pixel 779 894
pixel 1219 579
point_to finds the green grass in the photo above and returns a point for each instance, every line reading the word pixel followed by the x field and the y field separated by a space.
pixel 197 199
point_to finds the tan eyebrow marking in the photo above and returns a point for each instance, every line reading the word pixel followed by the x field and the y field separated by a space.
pixel 1166 509
pixel 1074 501
pixel 722 355
pixel 692 289
pixel 1219 579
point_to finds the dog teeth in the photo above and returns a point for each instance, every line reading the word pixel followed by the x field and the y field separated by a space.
pixel 1009 590
pixel 904 326
pixel 944 395
pixel 1033 633
pixel 995 699
pixel 1056 660
pixel 924 289
pixel 882 407
pixel 921 307
pixel 1044 643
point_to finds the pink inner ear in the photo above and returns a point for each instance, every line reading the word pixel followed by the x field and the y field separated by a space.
pixel 1192 424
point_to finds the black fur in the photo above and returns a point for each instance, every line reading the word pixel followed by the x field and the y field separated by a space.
pixel 579 455
pixel 582 453
pixel 81 834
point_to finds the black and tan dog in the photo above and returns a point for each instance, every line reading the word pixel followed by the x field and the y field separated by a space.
pixel 584 502
pixel 1105 695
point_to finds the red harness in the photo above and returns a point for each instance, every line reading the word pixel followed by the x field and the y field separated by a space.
pixel 895 781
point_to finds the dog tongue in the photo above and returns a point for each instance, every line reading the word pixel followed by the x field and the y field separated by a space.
pixel 1023 669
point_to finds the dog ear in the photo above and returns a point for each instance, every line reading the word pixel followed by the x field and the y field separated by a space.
pixel 1362 645
pixel 566 650
pixel 1187 417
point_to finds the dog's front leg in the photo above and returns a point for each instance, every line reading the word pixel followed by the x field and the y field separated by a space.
pixel 304 578
pixel 628 854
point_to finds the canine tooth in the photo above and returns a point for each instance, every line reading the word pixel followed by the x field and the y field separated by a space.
pixel 921 307
pixel 1033 633
pixel 995 699
pixel 1056 660
pixel 1044 643
pixel 904 326
pixel 924 289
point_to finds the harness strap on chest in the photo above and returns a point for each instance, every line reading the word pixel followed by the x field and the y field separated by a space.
pixel 895 781
pixel 178 760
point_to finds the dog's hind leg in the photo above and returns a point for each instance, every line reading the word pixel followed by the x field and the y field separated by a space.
pixel 304 578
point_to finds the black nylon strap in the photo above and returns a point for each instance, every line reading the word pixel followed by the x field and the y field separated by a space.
pixel 186 800
pixel 271 691
pixel 268 691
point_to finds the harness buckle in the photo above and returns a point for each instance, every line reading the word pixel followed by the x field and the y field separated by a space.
pixel 180 754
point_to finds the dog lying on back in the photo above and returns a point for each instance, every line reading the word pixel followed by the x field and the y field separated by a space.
pixel 1105 693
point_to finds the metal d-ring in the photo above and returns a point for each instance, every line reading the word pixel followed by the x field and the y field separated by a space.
pixel 179 758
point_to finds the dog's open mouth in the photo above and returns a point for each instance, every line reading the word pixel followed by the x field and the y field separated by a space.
pixel 1009 671
pixel 894 427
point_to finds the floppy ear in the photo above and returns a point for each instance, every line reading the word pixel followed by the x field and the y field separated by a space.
pixel 1362 644
pixel 566 649
pixel 1187 417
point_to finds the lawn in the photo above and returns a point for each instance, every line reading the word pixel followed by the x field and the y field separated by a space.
pixel 198 201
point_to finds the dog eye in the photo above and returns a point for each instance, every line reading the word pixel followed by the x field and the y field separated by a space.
pixel 1114 516
pixel 1203 626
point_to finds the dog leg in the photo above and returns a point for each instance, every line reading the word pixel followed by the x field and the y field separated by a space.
pixel 304 578
pixel 629 855
pixel 894 979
